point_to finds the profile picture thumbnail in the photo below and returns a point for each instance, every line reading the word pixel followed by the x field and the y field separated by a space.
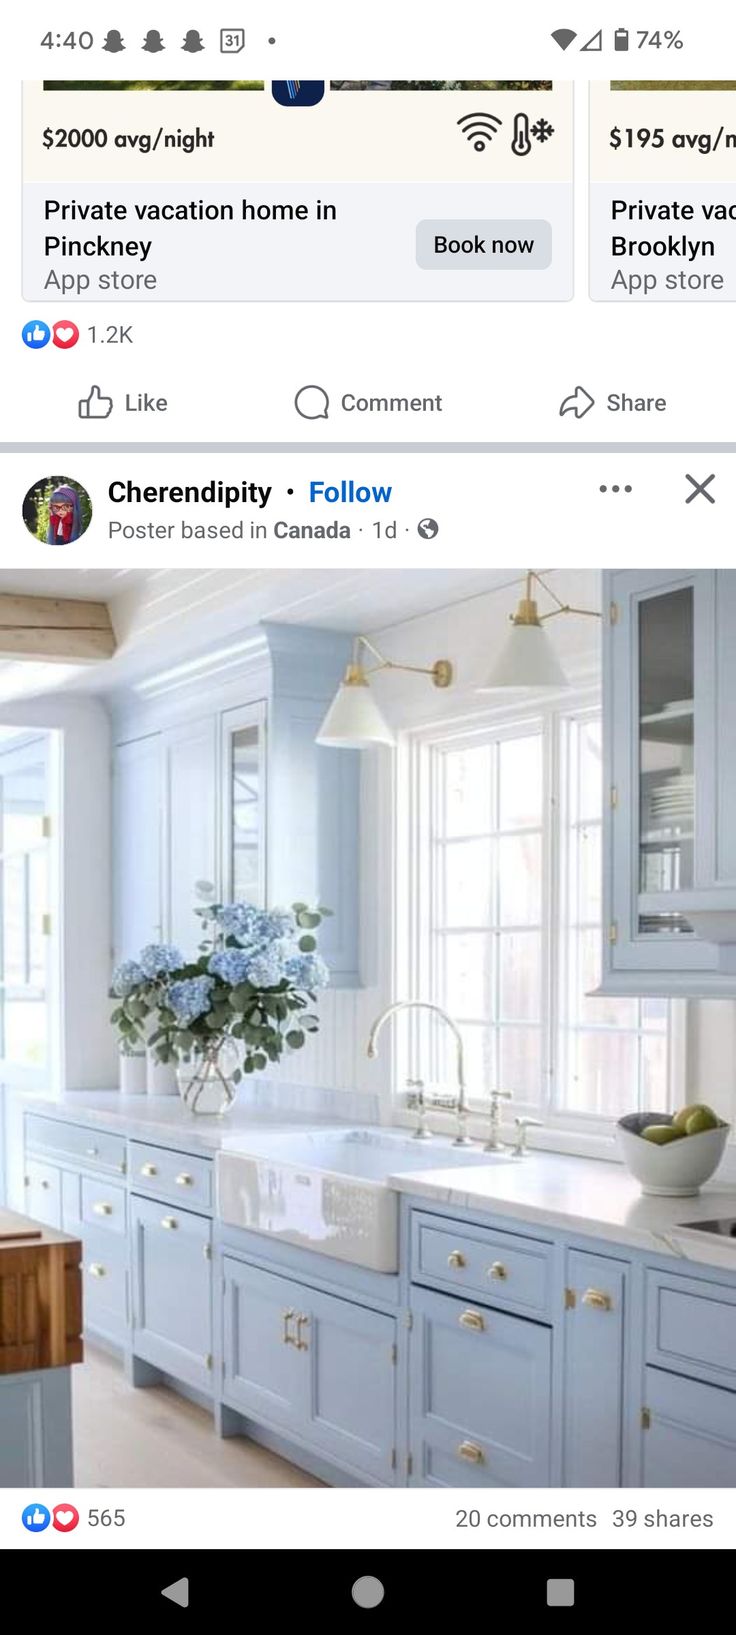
pixel 57 510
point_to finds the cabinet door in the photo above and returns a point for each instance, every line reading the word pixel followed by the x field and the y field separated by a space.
pixel 264 1372
pixel 351 1357
pixel 594 1337
pixel 172 1291
pixel 480 1390
pixel 661 769
pixel 689 1433
pixel 243 839
pixel 105 1284
pixel 137 820
pixel 190 799
pixel 43 1192
pixel 36 1430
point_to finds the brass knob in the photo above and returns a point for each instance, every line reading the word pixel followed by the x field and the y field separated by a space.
pixel 45 1185
pixel 472 1320
pixel 170 1223
pixel 149 1169
pixel 102 1209
pixel 91 1152
pixel 598 1299
pixel 456 1260
pixel 471 1452
pixel 185 1180
pixel 96 1270
pixel 497 1270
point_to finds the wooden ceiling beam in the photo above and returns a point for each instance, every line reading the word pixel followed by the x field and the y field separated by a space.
pixel 55 630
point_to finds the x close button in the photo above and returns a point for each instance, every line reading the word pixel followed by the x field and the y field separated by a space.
pixel 700 488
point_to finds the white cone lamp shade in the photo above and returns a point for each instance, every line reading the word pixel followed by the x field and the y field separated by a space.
pixel 354 720
pixel 527 657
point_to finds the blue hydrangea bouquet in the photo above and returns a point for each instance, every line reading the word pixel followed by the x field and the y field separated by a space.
pixel 245 1000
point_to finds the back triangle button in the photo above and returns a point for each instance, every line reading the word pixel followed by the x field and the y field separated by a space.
pixel 178 1592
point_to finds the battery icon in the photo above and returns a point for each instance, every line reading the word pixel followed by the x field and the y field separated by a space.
pixel 621 39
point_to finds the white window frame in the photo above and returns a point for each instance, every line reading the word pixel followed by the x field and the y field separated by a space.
pixel 415 977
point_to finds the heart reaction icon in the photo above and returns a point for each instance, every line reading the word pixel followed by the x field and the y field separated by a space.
pixel 65 334
pixel 66 1518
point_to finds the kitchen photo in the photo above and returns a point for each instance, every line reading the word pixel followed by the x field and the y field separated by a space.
pixel 367 1028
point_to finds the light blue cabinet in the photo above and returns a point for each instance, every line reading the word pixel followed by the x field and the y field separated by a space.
pixel 688 1433
pixel 314 1365
pixel 480 1393
pixel 172 1291
pixel 138 910
pixel 669 782
pixel 36 1429
pixel 500 1356
pixel 594 1370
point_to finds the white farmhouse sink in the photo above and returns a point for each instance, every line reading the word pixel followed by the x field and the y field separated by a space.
pixel 327 1190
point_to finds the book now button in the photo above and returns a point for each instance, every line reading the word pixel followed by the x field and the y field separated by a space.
pixel 484 246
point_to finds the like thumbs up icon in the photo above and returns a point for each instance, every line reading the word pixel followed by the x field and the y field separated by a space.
pixel 95 407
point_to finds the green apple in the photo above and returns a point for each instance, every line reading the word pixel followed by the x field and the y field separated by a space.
pixel 702 1119
pixel 661 1134
pixel 682 1117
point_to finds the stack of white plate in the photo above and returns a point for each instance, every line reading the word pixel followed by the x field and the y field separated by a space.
pixel 672 801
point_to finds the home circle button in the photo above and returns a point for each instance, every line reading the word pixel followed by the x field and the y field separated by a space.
pixel 368 1592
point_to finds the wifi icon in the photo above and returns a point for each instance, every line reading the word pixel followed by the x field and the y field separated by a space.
pixel 563 37
pixel 479 129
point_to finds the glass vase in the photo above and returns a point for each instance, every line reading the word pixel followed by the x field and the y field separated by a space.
pixel 205 1077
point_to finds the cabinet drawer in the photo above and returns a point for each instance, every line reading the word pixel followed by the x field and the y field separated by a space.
pixel 91 1149
pixel 691 1437
pixel 495 1267
pixel 104 1284
pixel 691 1327
pixel 103 1205
pixel 42 1183
pixel 480 1393
pixel 165 1174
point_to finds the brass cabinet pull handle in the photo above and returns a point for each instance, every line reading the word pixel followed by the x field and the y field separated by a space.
pixel 456 1260
pixel 598 1299
pixel 91 1152
pixel 149 1169
pixel 301 1344
pixel 472 1320
pixel 96 1270
pixel 170 1223
pixel 185 1180
pixel 498 1270
pixel 102 1209
pixel 287 1337
pixel 471 1452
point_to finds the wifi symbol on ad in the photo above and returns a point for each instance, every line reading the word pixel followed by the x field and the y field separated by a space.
pixel 479 129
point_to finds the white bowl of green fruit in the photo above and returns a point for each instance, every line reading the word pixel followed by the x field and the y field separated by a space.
pixel 673 1154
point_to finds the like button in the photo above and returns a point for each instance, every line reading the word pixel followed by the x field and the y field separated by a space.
pixel 95 407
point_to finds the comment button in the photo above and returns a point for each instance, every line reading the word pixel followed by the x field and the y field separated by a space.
pixel 484 246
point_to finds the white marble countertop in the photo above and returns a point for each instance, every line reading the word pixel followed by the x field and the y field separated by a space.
pixel 582 1195
pixel 585 1196
pixel 165 1119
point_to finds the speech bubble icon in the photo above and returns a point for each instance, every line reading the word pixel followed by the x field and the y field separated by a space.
pixel 312 403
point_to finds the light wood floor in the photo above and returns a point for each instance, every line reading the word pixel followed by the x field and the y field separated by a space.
pixel 154 1438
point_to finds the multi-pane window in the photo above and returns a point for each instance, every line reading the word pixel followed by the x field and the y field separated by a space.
pixel 507 921
pixel 24 895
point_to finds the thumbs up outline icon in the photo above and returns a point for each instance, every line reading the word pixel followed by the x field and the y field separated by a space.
pixel 95 406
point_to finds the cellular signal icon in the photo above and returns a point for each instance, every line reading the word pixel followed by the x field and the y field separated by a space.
pixel 479 129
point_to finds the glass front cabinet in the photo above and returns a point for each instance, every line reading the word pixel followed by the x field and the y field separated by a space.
pixel 669 683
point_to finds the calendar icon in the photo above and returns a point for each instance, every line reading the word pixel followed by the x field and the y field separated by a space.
pixel 232 40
